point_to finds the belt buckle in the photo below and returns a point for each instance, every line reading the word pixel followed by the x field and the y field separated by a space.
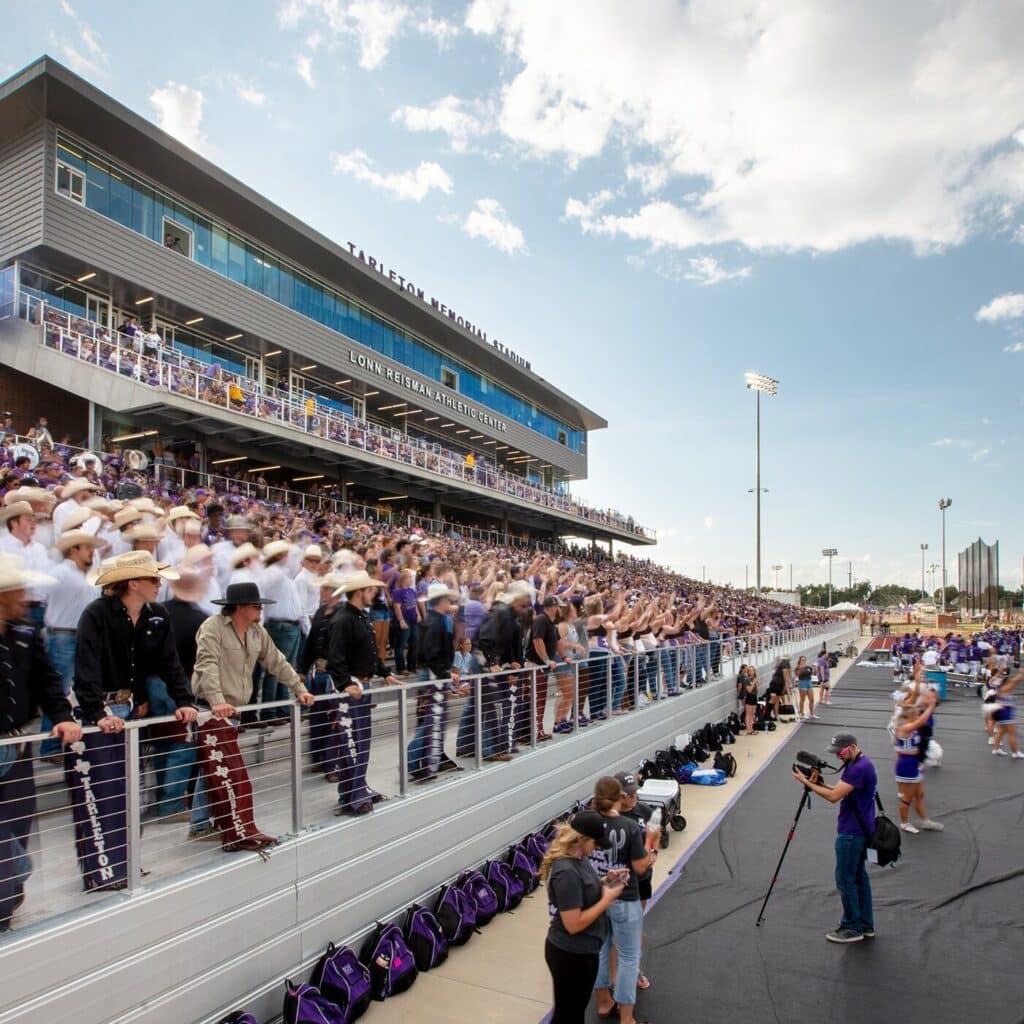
pixel 123 697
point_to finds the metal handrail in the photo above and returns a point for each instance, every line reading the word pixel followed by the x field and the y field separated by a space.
pixel 307 414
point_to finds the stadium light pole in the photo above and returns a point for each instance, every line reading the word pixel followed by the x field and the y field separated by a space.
pixel 924 548
pixel 830 553
pixel 932 570
pixel 759 384
pixel 777 569
pixel 944 503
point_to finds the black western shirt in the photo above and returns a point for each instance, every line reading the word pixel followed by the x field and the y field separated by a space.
pixel 27 680
pixel 352 648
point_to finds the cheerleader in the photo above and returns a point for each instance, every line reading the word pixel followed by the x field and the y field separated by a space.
pixel 909 781
pixel 1004 719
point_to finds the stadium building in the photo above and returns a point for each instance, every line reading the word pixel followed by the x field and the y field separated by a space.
pixel 259 344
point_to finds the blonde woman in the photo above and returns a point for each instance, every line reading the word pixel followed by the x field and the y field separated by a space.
pixel 577 901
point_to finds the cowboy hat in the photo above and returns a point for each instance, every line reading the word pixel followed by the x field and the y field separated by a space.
pixel 144 505
pixel 141 532
pixel 38 494
pixel 194 555
pixel 76 486
pixel 313 551
pixel 99 504
pixel 331 581
pixel 126 517
pixel 238 523
pixel 438 590
pixel 192 526
pixel 135 565
pixel 14 575
pixel 514 591
pixel 77 518
pixel 242 554
pixel 275 549
pixel 180 512
pixel 344 558
pixel 72 538
pixel 357 581
pixel 15 509
pixel 243 593
pixel 190 585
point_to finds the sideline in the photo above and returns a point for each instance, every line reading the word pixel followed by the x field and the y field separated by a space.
pixel 500 976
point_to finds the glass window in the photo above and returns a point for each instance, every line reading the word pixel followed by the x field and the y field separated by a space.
pixel 219 251
pixel 236 259
pixel 120 200
pixel 71 157
pixel 253 269
pixel 97 188
pixel 143 216
pixel 287 282
pixel 70 183
pixel 201 242
pixel 271 278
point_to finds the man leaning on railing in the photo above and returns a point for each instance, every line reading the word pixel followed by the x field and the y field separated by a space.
pixel 27 682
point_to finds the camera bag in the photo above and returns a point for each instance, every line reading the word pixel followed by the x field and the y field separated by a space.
pixel 886 840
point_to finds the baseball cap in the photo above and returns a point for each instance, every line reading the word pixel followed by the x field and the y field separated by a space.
pixel 841 741
pixel 551 601
pixel 591 825
pixel 627 780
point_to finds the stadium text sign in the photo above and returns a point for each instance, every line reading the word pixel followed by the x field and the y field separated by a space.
pixel 408 286
pixel 426 390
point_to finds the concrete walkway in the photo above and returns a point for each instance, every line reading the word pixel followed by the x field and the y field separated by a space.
pixel 500 976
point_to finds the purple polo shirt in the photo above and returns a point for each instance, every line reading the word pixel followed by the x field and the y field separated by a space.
pixel 862 776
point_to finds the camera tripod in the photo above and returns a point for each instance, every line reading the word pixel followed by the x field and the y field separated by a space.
pixel 805 801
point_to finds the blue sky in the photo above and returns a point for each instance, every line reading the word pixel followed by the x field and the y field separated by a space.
pixel 646 206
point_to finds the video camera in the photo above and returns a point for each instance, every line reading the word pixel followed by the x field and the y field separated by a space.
pixel 810 765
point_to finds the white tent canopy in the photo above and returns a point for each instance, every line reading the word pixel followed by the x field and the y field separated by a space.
pixel 845 606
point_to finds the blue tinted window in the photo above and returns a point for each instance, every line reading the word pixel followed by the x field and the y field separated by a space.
pixel 97 189
pixel 201 242
pixel 253 269
pixel 120 200
pixel 236 259
pixel 219 251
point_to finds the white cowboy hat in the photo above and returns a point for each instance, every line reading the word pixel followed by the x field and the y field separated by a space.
pixel 194 555
pixel 72 538
pixel 78 517
pixel 38 494
pixel 76 486
pixel 357 581
pixel 238 523
pixel 134 565
pixel 242 554
pixel 276 548
pixel 514 591
pixel 15 509
pixel 141 532
pixel 313 551
pixel 126 517
pixel 14 575
pixel 438 590
pixel 180 512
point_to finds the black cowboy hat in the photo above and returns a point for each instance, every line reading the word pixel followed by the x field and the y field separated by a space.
pixel 243 593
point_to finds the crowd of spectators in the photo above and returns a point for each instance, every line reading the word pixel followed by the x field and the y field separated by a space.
pixel 142 355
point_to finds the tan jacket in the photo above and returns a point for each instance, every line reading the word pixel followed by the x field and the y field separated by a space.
pixel 224 664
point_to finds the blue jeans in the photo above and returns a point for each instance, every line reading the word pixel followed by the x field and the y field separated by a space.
pixel 853 883
pixel 702 669
pixel 287 638
pixel 172 760
pixel 626 918
pixel 408 639
pixel 61 649
pixel 618 680
pixel 427 745
pixel 597 676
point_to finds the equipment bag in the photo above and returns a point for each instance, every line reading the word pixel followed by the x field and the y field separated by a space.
pixel 304 1004
pixel 456 913
pixel 342 978
pixel 228 787
pixel 684 771
pixel 787 713
pixel 94 771
pixel 508 889
pixel 390 961
pixel 479 890
pixel 535 846
pixel 726 763
pixel 886 840
pixel 239 1017
pixel 708 777
pixel 426 938
pixel 523 868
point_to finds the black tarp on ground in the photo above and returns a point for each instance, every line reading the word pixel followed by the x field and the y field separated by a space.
pixel 949 916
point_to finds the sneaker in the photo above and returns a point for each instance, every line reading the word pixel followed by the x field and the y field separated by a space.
pixel 844 935
pixel 868 933
pixel 1020 753
pixel 907 827
pixel 931 826
pixel 1000 752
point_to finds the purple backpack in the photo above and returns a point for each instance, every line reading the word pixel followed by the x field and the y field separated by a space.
pixel 507 888
pixel 304 1004
pixel 484 900
pixel 456 913
pixel 426 938
pixel 239 1017
pixel 536 846
pixel 340 976
pixel 522 866
pixel 390 961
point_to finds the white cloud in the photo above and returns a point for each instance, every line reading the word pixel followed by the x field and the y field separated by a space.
pixel 452 116
pixel 374 24
pixel 439 29
pixel 791 126
pixel 708 522
pixel 251 95
pixel 304 69
pixel 707 270
pixel 86 55
pixel 1017 346
pixel 489 221
pixel 985 420
pixel 1004 307
pixel 414 184
pixel 944 442
pixel 980 454
pixel 651 177
pixel 179 111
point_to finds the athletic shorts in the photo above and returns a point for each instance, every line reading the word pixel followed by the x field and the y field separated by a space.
pixel 1003 715
pixel 908 768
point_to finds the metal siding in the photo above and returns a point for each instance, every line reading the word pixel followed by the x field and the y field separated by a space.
pixel 21 192
pixel 103 243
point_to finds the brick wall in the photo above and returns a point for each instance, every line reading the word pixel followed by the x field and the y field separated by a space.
pixel 27 398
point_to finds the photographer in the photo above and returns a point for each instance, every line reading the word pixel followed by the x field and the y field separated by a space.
pixel 855 794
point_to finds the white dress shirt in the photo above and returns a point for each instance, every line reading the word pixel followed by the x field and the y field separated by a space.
pixel 61 512
pixel 277 585
pixel 308 586
pixel 36 559
pixel 171 548
pixel 69 598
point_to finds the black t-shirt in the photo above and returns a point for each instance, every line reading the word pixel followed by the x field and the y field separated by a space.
pixel 573 884
pixel 547 632
pixel 641 814
pixel 627 839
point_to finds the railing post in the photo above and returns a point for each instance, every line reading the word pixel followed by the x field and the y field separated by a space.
pixel 608 683
pixel 478 720
pixel 575 710
pixel 296 766
pixel 403 741
pixel 532 709
pixel 134 794
pixel 636 680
